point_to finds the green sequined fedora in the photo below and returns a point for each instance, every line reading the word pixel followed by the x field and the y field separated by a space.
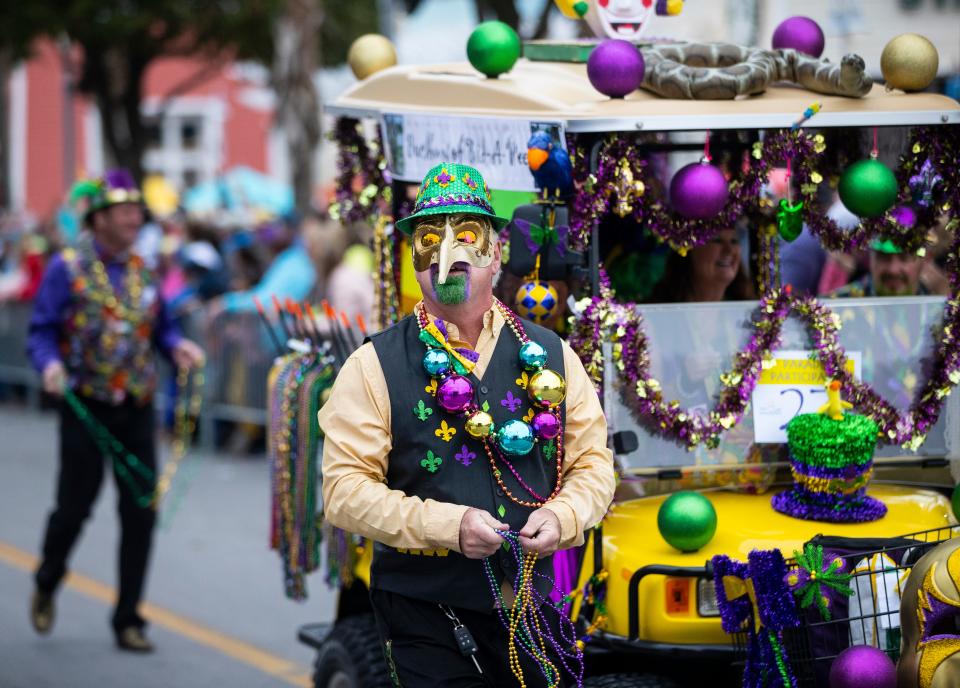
pixel 452 188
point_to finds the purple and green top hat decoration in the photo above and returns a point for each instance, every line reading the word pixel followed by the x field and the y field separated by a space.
pixel 450 188
pixel 831 462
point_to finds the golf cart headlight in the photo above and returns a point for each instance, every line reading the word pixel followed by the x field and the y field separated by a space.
pixel 707 598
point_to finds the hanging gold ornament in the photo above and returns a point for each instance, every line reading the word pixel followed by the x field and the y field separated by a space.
pixel 626 188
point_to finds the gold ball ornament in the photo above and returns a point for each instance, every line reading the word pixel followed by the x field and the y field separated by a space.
pixel 909 62
pixel 369 54
pixel 479 425
pixel 547 388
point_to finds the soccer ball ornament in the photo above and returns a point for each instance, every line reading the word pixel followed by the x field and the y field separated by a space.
pixel 536 301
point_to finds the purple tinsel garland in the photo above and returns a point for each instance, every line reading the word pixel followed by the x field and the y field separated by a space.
pixel 767 662
pixel 930 149
pixel 601 317
pixel 358 161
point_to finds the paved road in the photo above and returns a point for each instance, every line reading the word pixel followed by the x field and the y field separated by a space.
pixel 219 615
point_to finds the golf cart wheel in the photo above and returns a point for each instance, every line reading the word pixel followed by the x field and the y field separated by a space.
pixel 352 657
pixel 629 681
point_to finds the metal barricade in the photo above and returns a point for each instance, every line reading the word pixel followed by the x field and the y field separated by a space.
pixel 239 355
pixel 15 368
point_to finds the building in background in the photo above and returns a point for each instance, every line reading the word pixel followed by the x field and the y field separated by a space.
pixel 202 118
pixel 207 117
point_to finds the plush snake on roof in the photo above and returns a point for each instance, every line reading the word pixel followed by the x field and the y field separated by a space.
pixel 720 71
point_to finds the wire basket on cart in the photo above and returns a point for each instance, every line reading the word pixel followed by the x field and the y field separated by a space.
pixel 871 616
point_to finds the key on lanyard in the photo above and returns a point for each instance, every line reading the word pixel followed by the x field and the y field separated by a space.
pixel 466 643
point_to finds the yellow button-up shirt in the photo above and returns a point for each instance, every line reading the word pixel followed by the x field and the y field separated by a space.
pixel 357 440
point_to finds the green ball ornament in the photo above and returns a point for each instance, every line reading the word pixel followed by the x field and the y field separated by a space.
pixel 687 520
pixel 493 48
pixel 955 502
pixel 868 188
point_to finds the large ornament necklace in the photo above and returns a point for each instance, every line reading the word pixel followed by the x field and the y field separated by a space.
pixel 455 393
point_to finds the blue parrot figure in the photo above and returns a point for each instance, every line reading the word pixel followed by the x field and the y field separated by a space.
pixel 550 165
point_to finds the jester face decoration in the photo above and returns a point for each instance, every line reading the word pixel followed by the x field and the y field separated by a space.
pixel 930 621
pixel 626 19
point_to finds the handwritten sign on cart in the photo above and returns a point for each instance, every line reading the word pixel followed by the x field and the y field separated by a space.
pixel 497 147
pixel 794 384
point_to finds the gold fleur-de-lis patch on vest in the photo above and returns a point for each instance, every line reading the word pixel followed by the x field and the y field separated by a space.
pixel 431 389
pixel 523 380
pixel 445 432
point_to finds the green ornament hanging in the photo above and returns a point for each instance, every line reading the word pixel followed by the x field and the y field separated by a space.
pixel 789 220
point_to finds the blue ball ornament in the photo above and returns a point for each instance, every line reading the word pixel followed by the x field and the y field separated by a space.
pixel 515 438
pixel 687 520
pixel 533 356
pixel 436 362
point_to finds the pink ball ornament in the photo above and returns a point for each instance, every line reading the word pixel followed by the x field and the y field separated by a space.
pixel 800 33
pixel 863 666
pixel 615 68
pixel 699 191
pixel 455 393
pixel 546 425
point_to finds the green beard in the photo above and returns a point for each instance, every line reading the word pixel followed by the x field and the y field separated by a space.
pixel 452 292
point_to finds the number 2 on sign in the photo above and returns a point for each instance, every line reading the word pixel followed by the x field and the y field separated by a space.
pixel 794 390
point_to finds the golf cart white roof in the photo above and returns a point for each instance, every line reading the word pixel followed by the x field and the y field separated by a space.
pixel 560 91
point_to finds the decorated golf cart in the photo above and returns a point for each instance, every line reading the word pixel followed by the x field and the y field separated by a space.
pixel 722 544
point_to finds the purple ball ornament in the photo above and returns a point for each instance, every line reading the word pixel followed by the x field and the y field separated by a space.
pixel 863 666
pixel 615 68
pixel 699 191
pixel 800 33
pixel 455 393
pixel 546 425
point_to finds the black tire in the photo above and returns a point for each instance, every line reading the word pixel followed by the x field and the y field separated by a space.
pixel 629 681
pixel 352 656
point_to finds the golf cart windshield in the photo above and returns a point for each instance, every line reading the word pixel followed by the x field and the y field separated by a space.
pixel 887 339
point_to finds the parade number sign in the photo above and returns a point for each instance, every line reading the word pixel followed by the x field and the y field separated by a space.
pixel 497 147
pixel 794 384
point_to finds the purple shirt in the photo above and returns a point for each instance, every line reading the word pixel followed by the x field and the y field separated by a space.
pixel 46 324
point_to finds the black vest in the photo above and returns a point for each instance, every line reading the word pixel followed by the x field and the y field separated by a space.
pixel 463 474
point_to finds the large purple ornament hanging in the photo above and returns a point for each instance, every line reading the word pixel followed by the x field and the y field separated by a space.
pixel 615 68
pixel 863 666
pixel 699 191
pixel 800 33
pixel 455 393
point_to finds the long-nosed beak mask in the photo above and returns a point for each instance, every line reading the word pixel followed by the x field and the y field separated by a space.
pixel 447 239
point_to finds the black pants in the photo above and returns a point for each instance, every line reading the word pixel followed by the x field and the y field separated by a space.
pixel 81 473
pixel 419 646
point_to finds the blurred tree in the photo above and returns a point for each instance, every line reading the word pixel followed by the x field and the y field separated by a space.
pixel 119 40
pixel 298 103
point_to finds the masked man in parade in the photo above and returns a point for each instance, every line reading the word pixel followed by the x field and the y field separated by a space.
pixel 97 319
pixel 458 423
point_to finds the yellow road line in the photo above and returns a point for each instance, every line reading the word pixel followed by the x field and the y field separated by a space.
pixel 234 648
